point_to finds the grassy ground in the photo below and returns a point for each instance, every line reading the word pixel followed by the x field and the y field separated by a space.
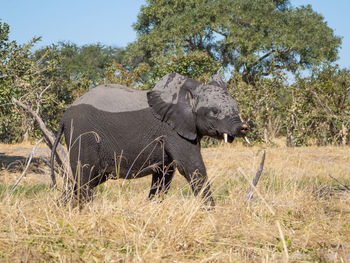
pixel 296 215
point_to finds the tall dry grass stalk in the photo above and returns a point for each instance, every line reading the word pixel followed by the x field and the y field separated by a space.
pixel 120 225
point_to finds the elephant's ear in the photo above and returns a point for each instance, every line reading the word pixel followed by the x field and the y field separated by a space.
pixel 217 81
pixel 172 101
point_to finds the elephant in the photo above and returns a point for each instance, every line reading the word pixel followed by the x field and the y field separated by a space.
pixel 113 131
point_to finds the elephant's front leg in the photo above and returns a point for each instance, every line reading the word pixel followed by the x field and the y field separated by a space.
pixel 193 169
pixel 161 183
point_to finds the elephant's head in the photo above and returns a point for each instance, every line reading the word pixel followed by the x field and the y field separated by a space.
pixel 195 109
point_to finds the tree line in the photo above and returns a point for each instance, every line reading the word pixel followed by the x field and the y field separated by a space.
pixel 255 45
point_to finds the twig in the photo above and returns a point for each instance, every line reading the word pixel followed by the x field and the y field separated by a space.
pixel 344 185
pixel 27 166
pixel 250 192
pixel 42 92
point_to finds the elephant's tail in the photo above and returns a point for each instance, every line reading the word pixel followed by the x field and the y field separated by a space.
pixel 53 151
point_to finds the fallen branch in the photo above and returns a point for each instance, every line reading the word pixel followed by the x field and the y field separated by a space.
pixel 343 185
pixel 277 222
pixel 249 195
pixel 26 168
pixel 61 155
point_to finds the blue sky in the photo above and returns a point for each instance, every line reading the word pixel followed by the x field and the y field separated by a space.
pixel 110 21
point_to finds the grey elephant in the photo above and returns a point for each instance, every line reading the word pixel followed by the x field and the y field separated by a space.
pixel 117 132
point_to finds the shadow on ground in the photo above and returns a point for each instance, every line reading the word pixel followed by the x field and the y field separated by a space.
pixel 16 163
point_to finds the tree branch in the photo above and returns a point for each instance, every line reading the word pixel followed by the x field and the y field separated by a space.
pixel 277 52
pixel 335 179
pixel 61 155
pixel 249 68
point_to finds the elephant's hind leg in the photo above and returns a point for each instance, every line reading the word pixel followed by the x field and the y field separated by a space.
pixel 161 183
pixel 86 180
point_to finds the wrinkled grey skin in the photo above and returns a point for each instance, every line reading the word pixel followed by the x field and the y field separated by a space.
pixel 117 132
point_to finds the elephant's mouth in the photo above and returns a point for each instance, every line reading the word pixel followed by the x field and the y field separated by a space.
pixel 228 138
pixel 240 131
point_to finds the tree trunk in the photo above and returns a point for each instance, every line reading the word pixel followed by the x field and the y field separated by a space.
pixel 30 128
pixel 26 136
pixel 266 132
pixel 324 135
pixel 290 129
pixel 344 134
pixel 290 137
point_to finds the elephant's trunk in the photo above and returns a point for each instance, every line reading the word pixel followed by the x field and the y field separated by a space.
pixel 244 129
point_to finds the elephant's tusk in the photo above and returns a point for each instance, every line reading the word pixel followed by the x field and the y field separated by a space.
pixel 225 137
pixel 246 139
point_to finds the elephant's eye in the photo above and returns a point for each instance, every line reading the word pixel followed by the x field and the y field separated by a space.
pixel 214 111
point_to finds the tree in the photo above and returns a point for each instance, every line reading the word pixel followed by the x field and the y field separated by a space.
pixel 88 61
pixel 320 106
pixel 253 38
pixel 17 73
pixel 263 105
pixel 37 80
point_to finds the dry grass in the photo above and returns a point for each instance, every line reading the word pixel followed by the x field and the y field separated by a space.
pixel 122 226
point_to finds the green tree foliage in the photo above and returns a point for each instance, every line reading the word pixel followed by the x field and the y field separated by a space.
pixel 37 80
pixel 263 105
pixel 195 65
pixel 88 61
pixel 18 72
pixel 313 110
pixel 254 38
pixel 319 108
pixel 48 80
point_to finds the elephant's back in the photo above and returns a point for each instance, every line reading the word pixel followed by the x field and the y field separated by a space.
pixel 114 98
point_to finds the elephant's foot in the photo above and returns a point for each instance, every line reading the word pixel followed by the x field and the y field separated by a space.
pixel 209 204
pixel 75 198
pixel 66 197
